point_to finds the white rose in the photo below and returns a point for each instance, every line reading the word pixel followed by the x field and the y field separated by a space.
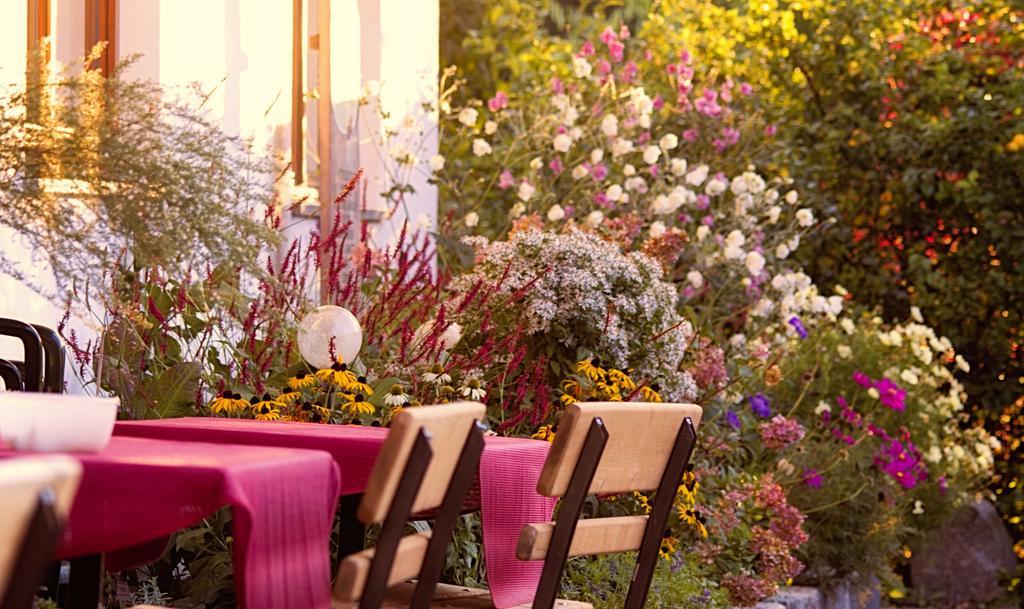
pixel 844 351
pixel 596 156
pixel 614 192
pixel 915 314
pixel 581 67
pixel 668 141
pixel 437 162
pixel 481 147
pixel 628 170
pixel 556 213
pixel 621 146
pixel 525 191
pixel 703 232
pixel 562 142
pixel 595 218
pixel 697 175
pixel 472 219
pixel 657 229
pixel 847 325
pixel 652 154
pixel 735 239
pixel 677 166
pixel 610 125
pixel 754 263
pixel 781 251
pixel 908 377
pixel 490 127
pixel 695 279
pixel 804 217
pixel 579 172
pixel 773 214
pixel 792 197
pixel 536 163
pixel 467 116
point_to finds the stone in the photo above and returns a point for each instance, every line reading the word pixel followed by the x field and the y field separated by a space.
pixel 797 597
pixel 961 562
pixel 848 594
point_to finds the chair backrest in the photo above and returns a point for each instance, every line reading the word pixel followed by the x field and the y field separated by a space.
pixel 427 462
pixel 10 375
pixel 640 439
pixel 36 494
pixel 55 358
pixel 32 369
pixel 608 448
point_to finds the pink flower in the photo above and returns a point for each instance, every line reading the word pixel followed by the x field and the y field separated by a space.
pixel 684 56
pixel 556 165
pixel 603 67
pixel 556 85
pixel 616 50
pixel 770 130
pixel 781 432
pixel 658 102
pixel 608 36
pixel 587 49
pixel 630 71
pixel 506 180
pixel 690 135
pixel 498 102
pixel 746 88
pixel 624 31
pixel 601 199
pixel 599 172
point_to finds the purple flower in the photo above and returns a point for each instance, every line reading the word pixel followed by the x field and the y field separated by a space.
pixel 903 463
pixel 781 432
pixel 746 88
pixel 761 405
pixel 812 478
pixel 732 419
pixel 690 135
pixel 861 379
pixel 798 326
pixel 891 395
pixel 599 172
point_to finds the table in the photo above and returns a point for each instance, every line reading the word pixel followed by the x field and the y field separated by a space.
pixel 138 490
pixel 507 483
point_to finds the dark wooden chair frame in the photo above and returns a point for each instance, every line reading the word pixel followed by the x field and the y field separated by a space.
pixel 400 511
pixel 571 506
pixel 11 375
pixel 37 548
pixel 32 368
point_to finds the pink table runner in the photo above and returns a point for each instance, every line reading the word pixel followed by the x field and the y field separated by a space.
pixel 139 490
pixel 509 470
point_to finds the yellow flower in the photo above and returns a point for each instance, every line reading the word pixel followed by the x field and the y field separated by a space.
pixel 358 405
pixel 338 375
pixel 546 433
pixel 224 403
pixel 650 393
pixel 266 411
pixel 289 397
pixel 302 381
pixel 315 413
pixel 360 386
pixel 621 379
pixel 669 546
pixel 591 369
pixel 567 400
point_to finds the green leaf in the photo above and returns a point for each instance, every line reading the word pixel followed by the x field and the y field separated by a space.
pixel 172 393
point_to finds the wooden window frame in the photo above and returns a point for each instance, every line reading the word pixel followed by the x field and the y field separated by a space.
pixel 101 26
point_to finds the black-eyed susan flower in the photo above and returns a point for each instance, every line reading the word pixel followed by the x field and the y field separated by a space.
pixel 621 379
pixel 473 389
pixel 359 406
pixel 396 397
pixel 266 413
pixel 289 397
pixel 240 404
pixel 669 547
pixel 302 381
pixel 314 413
pixel 590 368
pixel 649 393
pixel 338 375
pixel 360 386
pixel 258 403
pixel 546 433
pixel 223 403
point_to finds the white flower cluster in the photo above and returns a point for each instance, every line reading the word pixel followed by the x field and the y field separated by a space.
pixel 586 294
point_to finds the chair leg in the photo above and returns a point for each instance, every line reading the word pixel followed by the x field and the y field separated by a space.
pixel 569 511
pixel 35 554
pixel 444 523
pixel 394 525
pixel 647 557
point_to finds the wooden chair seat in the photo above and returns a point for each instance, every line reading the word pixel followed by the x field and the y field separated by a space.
pixel 449 597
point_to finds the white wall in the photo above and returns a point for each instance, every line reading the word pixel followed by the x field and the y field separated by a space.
pixel 241 50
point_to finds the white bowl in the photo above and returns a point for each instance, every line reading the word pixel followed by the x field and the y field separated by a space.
pixel 51 422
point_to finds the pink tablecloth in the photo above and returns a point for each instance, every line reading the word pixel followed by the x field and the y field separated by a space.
pixel 138 490
pixel 509 470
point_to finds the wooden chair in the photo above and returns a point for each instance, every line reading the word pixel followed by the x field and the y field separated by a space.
pixel 10 375
pixel 35 497
pixel 602 448
pixel 428 462
pixel 32 367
